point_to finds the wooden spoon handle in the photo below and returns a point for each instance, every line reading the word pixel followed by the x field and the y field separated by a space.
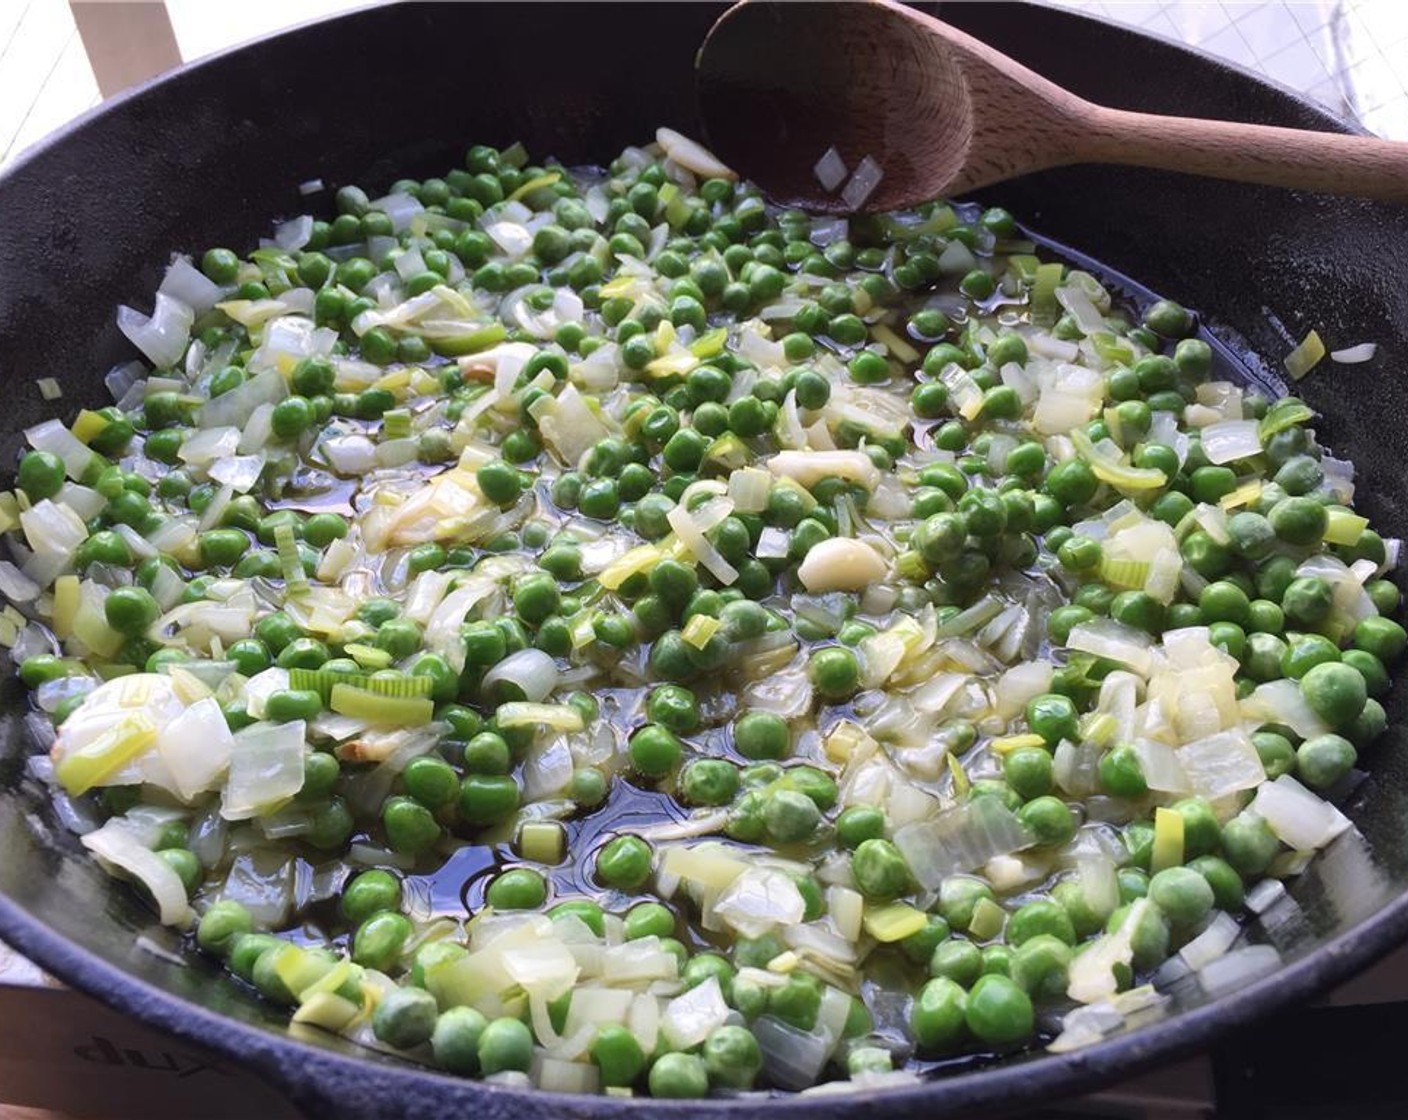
pixel 1324 162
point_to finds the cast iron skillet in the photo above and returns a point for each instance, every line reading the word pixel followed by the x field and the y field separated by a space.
pixel 211 153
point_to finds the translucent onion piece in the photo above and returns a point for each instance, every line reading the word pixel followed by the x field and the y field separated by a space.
pixel 830 170
pixel 792 1058
pixel 1302 820
pixel 117 844
pixel 693 155
pixel 862 184
pixel 1353 355
pixel 53 437
pixel 1106 638
pixel 196 747
pixel 1220 764
pixel 1219 936
pixel 184 282
pixel 266 768
pixel 1229 440
pixel 690 1018
pixel 960 839
pixel 532 670
pixel 164 336
pixel 1238 969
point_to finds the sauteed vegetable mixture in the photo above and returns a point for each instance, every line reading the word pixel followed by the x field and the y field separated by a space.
pixel 598 629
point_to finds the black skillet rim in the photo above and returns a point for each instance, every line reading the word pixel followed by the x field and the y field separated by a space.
pixel 312 1074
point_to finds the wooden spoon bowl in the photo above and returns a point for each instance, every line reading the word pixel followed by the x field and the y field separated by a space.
pixel 781 84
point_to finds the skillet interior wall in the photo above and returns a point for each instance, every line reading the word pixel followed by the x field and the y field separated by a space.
pixel 87 223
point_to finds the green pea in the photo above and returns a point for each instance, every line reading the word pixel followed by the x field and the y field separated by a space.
pixel 834 672
pixel 709 781
pixel 998 1012
pixel 432 782
pixel 1324 760
pixel 1382 637
pixel 410 827
pixel 880 871
pixel 380 939
pixel 130 610
pixel 1184 896
pixel 1248 844
pixel 1307 601
pixel 677 1076
pixel 1041 916
pixel 221 926
pixel 1299 521
pixel 618 1056
pixel 41 475
pixel 1050 819
pixel 520 888
pixel 858 824
pixel 1227 890
pixel 455 1040
pixel 655 750
pixel 405 1018
pixel 487 798
pixel 505 1044
pixel 624 863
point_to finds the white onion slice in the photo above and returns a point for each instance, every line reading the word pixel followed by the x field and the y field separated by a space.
pixel 116 843
pixel 163 336
pixel 532 670
pixel 1353 355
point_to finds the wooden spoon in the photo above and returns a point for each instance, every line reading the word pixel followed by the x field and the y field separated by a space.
pixel 780 84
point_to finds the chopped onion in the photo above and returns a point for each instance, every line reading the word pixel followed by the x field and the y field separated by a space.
pixel 1221 764
pixel 960 839
pixel 512 238
pixel 1229 440
pixel 1300 819
pixel 690 527
pixel 53 437
pixel 1163 772
pixel 1092 973
pixel 233 409
pixel 1219 935
pixel 239 472
pixel 196 747
pixel 830 170
pixel 570 427
pixel 266 768
pixel 862 184
pixel 748 488
pixel 531 670
pixel 117 843
pixel 1075 300
pixel 1353 355
pixel 1238 969
pixel 15 585
pixel 693 155
pixel 164 336
pixel 1106 638
pixel 52 529
pixel 400 208
pixel 1281 701
pixel 792 1058
pixel 760 899
pixel 690 1018
pixel 184 282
